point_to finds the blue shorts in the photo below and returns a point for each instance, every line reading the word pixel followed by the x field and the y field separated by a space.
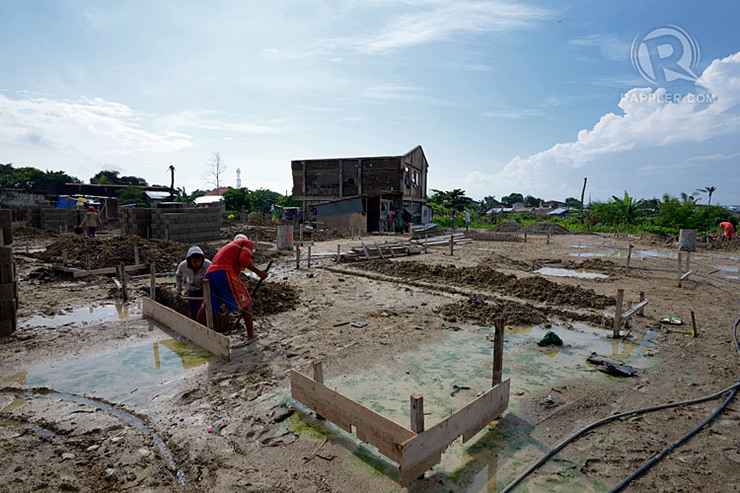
pixel 227 288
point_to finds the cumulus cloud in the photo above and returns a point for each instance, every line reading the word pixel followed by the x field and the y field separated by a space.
pixel 103 127
pixel 649 119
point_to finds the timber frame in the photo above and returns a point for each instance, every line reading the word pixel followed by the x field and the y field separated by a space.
pixel 415 450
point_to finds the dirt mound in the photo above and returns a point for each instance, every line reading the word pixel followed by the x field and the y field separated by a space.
pixel 507 227
pixel 658 239
pixel 109 252
pixel 475 310
pixel 533 288
pixel 271 299
pixel 542 228
pixel 27 233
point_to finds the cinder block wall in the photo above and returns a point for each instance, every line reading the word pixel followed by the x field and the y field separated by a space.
pixel 68 219
pixel 188 224
pixel 8 277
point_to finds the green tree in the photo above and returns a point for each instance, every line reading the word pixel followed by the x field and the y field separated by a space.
pixel 532 201
pixel 512 199
pixel 289 201
pixel 106 177
pixel 573 203
pixel 236 199
pixel 488 202
pixel 132 180
pixel 262 199
pixel 628 209
pixel 132 195
pixel 709 191
pixel 182 195
pixel 453 199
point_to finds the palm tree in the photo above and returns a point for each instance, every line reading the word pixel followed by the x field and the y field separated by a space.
pixel 627 208
pixel 710 191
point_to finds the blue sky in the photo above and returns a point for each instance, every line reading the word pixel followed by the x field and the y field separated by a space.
pixel 527 97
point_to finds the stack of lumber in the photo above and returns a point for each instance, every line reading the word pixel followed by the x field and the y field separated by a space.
pixel 385 249
pixel 443 239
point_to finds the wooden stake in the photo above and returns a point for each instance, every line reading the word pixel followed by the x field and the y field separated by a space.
pixel 339 252
pixel 525 237
pixel 297 257
pixel 679 269
pixel 309 256
pixel 688 261
pixel 642 298
pixel 548 236
pixel 123 281
pixel 64 258
pixel 693 325
pixel 87 260
pixel 417 413
pixel 629 256
pixel 318 371
pixel 136 251
pixel 207 301
pixel 618 313
pixel 452 246
pixel 498 351
pixel 152 281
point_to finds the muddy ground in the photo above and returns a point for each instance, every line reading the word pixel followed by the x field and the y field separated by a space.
pixel 224 426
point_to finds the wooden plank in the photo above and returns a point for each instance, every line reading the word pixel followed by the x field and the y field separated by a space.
pixel 370 426
pixel 634 309
pixel 105 270
pixel 209 340
pixel 687 275
pixel 425 449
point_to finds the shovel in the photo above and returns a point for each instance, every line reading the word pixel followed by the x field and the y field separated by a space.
pixel 251 295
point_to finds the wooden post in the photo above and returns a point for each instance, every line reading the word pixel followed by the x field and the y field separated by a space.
pixel 309 256
pixel 136 250
pixel 153 281
pixel 679 269
pixel 300 233
pixel 688 261
pixel 64 258
pixel 426 242
pixel 693 325
pixel 207 302
pixel 525 237
pixel 548 236
pixel 318 375
pixel 318 371
pixel 618 313
pixel 297 256
pixel 452 245
pixel 498 351
pixel 87 260
pixel 417 413
pixel 641 311
pixel 629 256
pixel 339 252
pixel 123 282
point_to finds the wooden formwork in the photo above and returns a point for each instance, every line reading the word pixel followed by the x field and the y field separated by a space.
pixel 415 450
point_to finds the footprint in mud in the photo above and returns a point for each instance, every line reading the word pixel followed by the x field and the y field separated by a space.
pixel 192 396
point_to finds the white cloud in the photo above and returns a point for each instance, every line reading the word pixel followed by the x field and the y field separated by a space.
pixel 209 120
pixel 609 45
pixel 95 125
pixel 650 120
pixel 441 20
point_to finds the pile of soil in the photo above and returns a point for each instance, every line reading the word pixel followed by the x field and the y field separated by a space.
pixel 473 310
pixel 26 233
pixel 507 227
pixel 109 252
pixel 542 228
pixel 271 299
pixel 729 246
pixel 657 239
pixel 533 288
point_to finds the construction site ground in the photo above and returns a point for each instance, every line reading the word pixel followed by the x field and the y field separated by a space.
pixel 95 397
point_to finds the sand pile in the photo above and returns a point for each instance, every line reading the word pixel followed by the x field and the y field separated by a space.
pixel 542 228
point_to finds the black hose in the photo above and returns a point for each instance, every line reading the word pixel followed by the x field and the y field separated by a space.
pixel 734 388
pixel 684 438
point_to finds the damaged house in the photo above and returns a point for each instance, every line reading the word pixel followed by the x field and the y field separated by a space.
pixel 359 192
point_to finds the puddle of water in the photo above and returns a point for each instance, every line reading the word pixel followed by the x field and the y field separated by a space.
pixel 552 271
pixel 133 375
pixel 85 315
pixel 504 449
pixel 727 268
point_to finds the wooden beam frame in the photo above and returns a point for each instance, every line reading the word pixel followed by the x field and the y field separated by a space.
pixel 204 337
pixel 414 452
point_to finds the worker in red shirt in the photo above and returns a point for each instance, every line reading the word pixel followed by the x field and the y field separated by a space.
pixel 727 229
pixel 226 287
